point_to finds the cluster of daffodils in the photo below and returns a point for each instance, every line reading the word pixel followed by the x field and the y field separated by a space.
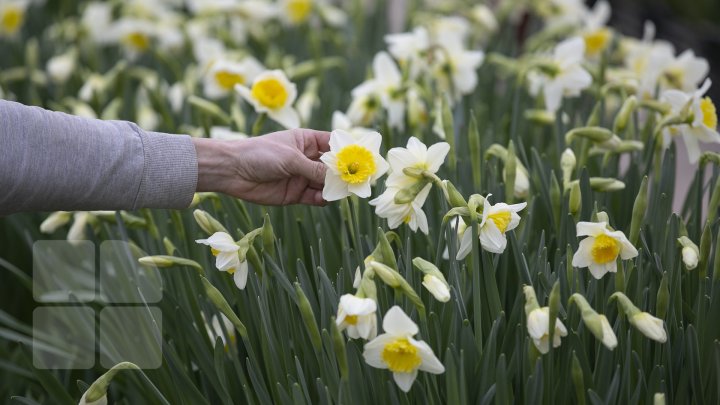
pixel 437 58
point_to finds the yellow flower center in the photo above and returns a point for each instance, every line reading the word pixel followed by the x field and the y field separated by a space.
pixel 231 270
pixel 407 219
pixel 356 164
pixel 270 92
pixel 11 19
pixel 604 249
pixel 709 113
pixel 401 356
pixel 674 76
pixel 228 80
pixel 597 41
pixel 138 40
pixel 214 251
pixel 501 220
pixel 351 319
pixel 298 10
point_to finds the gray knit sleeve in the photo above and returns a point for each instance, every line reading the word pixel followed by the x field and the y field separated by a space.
pixel 54 161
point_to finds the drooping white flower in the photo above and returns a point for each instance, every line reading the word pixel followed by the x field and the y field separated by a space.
pixel 600 250
pixel 496 221
pixel 608 335
pixel 568 79
pixel 225 250
pixel 357 316
pixel 410 213
pixel 397 351
pixel 352 165
pixel 272 93
pixel 223 75
pixel 538 326
pixel 703 114
pixel 649 326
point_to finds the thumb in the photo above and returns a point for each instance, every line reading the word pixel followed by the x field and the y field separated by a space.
pixel 312 170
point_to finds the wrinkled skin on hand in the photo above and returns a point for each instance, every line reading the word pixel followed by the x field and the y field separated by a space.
pixel 279 168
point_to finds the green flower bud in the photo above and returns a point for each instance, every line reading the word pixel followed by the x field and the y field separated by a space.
pixel 595 134
pixel 575 199
pixel 207 223
pixel 217 299
pixel 169 261
pixel 308 317
pixel 624 114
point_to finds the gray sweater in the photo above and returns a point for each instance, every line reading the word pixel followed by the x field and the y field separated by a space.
pixel 54 161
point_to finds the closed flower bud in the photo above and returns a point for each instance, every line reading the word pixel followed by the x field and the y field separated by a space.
pixel 595 134
pixel 55 221
pixel 650 326
pixel 207 223
pixel 690 252
pixel 567 164
pixel 437 287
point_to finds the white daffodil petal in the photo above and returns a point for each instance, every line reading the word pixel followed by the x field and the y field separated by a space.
pixel 430 362
pixel 405 380
pixel 396 322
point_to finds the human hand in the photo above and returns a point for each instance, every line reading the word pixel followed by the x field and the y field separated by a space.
pixel 279 168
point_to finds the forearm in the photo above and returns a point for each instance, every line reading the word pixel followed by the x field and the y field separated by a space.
pixel 54 161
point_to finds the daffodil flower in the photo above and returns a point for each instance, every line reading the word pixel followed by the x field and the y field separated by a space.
pixel 357 316
pixel 397 351
pixel 595 32
pixel 272 93
pixel 352 165
pixel 386 87
pixel 703 119
pixel 415 156
pixel 600 250
pixel 686 71
pixel 569 77
pixel 12 16
pixel 410 213
pixel 538 326
pixel 496 221
pixel 223 75
pixel 225 250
